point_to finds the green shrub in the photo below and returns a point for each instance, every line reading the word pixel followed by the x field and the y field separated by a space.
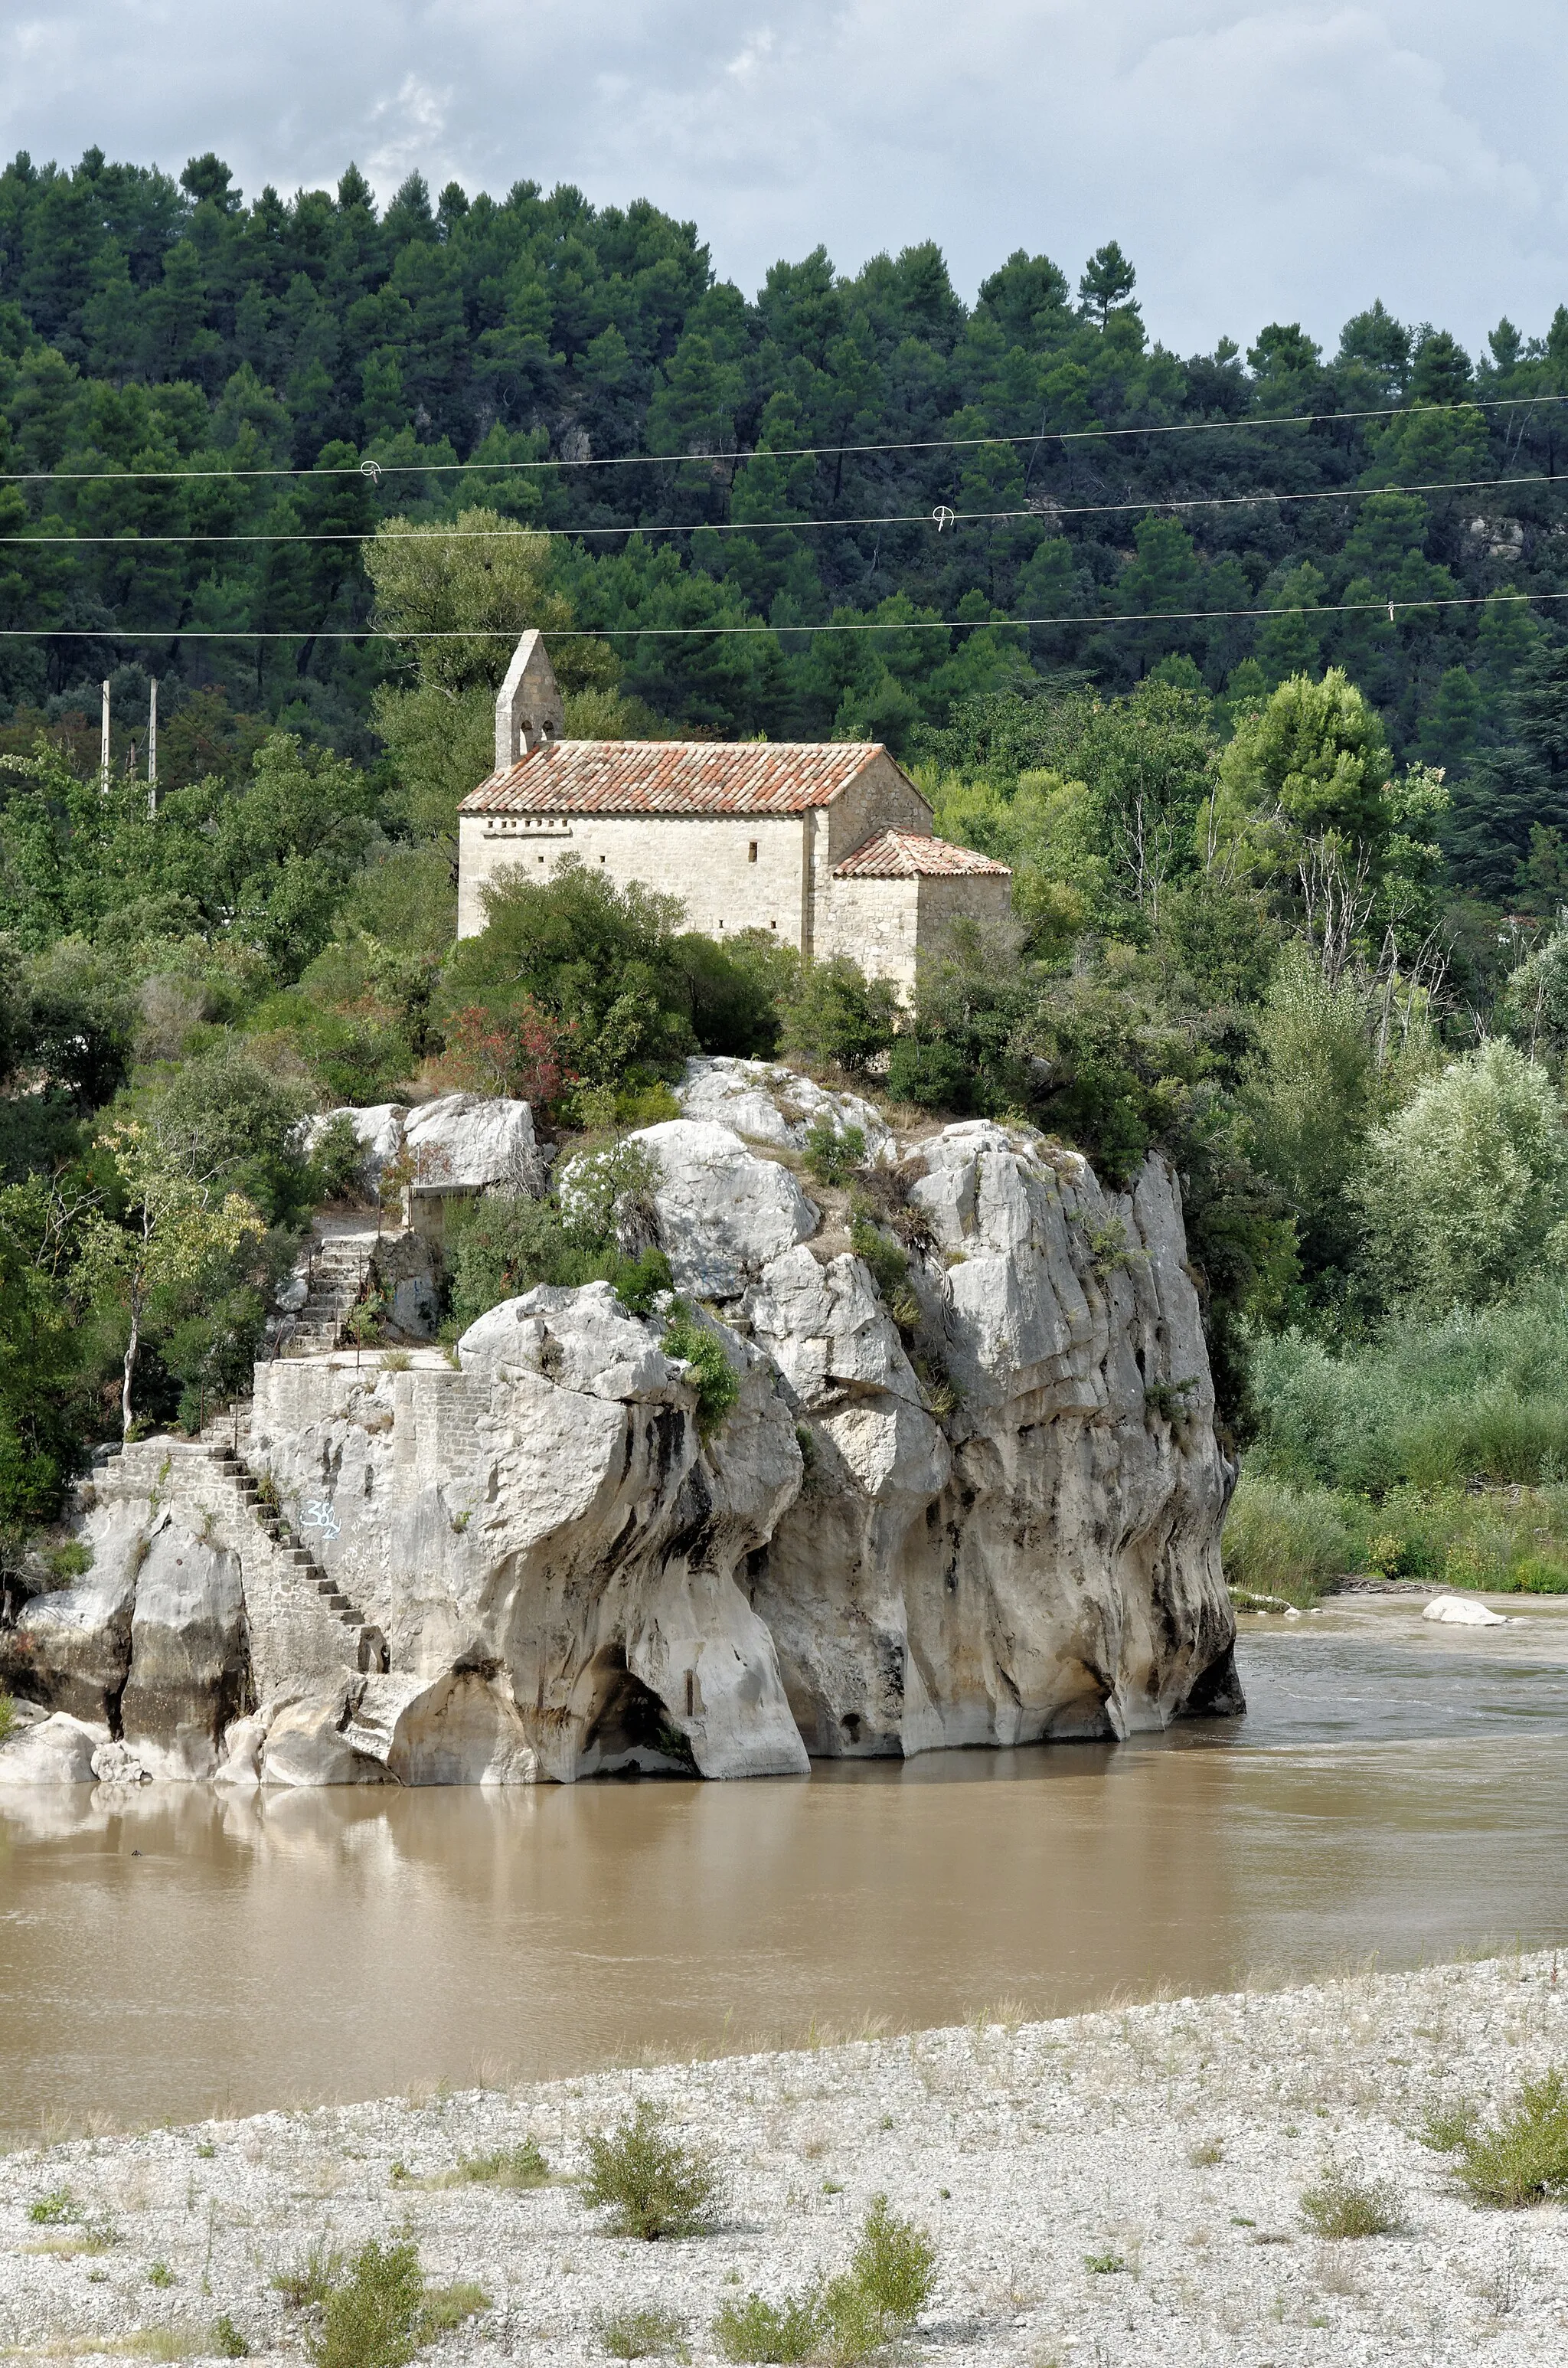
pixel 8 1717
pixel 1445 2128
pixel 1537 1575
pixel 755 2330
pixel 337 1157
pixel 885 2288
pixel 718 1385
pixel 886 1259
pixel 654 2186
pixel 1523 2157
pixel 227 2340
pixel 518 2165
pixel 160 2274
pixel 832 1012
pixel 68 1562
pixel 642 2334
pixel 832 1156
pixel 1342 2206
pixel 1287 1542
pixel 375 2319
pixel 51 2211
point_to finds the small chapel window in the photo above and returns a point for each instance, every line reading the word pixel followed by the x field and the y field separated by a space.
pixel 751 852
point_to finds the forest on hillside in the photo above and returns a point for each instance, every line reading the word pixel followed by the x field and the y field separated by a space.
pixel 1250 665
pixel 191 381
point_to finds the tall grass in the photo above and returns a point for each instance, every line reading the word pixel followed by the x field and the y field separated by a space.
pixel 1287 1542
pixel 1477 1396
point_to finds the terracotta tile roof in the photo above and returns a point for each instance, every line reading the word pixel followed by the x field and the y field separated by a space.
pixel 901 855
pixel 679 777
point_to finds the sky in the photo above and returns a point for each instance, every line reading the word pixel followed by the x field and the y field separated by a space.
pixel 1271 162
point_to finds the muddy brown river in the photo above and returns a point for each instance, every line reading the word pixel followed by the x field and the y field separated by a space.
pixel 1397 1787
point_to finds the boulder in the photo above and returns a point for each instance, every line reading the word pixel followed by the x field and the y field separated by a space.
pixel 459 1728
pixel 54 1751
pixel 113 1764
pixel 828 1330
pixel 721 1213
pixel 379 1132
pixel 582 1339
pixel 189 1669
pixel 474 1143
pixel 78 1637
pixel 1463 1612
pixel 306 1745
pixel 239 1761
pixel 764 1103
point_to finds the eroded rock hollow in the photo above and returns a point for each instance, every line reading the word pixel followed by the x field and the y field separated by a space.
pixel 968 1491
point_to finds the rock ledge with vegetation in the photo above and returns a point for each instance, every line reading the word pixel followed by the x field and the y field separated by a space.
pixel 923 1455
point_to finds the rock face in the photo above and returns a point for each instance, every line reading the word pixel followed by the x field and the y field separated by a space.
pixel 967 1490
pixel 464 1142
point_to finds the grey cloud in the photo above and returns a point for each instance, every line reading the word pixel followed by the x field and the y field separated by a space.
pixel 1258 161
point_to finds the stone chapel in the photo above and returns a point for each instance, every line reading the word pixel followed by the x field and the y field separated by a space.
pixel 828 845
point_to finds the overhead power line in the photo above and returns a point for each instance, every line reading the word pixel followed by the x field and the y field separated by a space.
pixel 375 470
pixel 943 517
pixel 1392 609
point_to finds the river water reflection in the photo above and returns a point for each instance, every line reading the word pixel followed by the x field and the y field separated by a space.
pixel 1396 1788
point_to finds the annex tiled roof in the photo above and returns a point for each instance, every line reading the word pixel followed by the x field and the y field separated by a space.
pixel 674 777
pixel 902 855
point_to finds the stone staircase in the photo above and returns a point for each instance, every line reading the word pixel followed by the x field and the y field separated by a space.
pixel 290 1545
pixel 215 1456
pixel 337 1278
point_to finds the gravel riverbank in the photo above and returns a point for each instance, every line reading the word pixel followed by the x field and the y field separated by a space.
pixel 1121 2187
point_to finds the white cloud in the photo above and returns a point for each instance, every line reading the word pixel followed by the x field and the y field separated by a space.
pixel 1259 159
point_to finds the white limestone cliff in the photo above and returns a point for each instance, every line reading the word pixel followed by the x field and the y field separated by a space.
pixel 978 1501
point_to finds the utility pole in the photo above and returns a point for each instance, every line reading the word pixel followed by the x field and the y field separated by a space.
pixel 103 759
pixel 153 753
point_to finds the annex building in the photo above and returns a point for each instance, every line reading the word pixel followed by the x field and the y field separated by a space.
pixel 828 845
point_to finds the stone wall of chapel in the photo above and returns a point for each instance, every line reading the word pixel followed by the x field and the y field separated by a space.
pixel 730 871
pixel 875 922
pixel 878 798
pixel 983 896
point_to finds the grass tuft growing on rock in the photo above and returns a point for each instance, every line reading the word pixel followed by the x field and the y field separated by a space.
pixel 654 2186
pixel 643 2335
pixel 1342 2206
pixel 308 2284
pixel 518 2166
pixel 51 2211
pixel 717 1386
pixel 1523 2157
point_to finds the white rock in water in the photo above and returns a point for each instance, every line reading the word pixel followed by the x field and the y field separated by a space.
pixel 113 1764
pixel 81 1633
pixel 766 1103
pixel 721 1212
pixel 1463 1612
pixel 57 1750
pixel 188 1653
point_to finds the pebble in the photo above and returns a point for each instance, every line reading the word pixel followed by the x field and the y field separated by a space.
pixel 1121 2187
